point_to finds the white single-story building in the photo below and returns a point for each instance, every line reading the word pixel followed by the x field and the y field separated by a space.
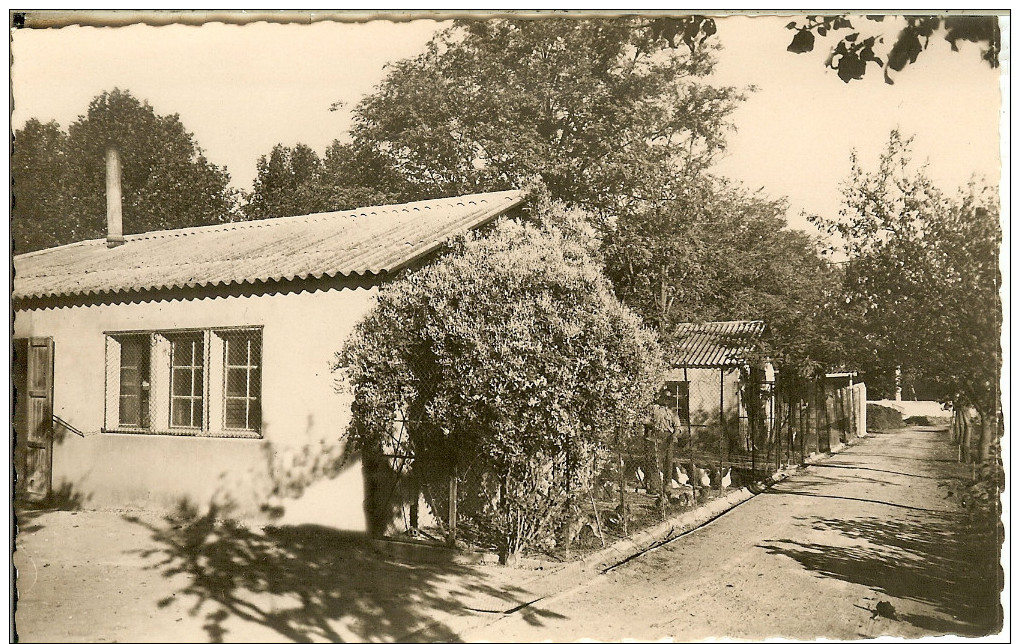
pixel 194 365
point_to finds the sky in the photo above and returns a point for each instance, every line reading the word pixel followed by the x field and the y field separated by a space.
pixel 243 89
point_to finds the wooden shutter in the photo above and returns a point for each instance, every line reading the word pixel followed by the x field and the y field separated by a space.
pixel 34 415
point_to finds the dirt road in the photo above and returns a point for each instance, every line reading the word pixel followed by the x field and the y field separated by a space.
pixel 811 557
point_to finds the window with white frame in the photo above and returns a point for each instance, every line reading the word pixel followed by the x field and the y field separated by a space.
pixel 676 395
pixel 242 407
pixel 195 382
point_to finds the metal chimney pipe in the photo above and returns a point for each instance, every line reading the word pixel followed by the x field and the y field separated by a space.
pixel 114 218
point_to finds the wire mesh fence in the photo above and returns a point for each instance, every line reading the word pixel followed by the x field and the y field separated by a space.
pixel 714 431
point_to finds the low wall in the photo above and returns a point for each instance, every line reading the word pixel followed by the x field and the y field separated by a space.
pixel 929 408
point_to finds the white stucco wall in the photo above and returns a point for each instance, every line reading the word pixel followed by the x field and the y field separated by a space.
pixel 301 333
pixel 704 392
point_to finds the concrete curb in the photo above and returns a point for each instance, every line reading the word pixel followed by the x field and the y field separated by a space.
pixel 577 572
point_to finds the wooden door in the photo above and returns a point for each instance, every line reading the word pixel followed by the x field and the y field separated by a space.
pixel 33 416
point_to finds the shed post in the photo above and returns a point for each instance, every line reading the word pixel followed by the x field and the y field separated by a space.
pixel 690 427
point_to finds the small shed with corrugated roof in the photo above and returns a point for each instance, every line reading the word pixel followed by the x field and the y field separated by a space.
pixel 192 366
pixel 707 382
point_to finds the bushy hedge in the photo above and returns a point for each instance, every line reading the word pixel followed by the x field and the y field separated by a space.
pixel 511 358
pixel 881 417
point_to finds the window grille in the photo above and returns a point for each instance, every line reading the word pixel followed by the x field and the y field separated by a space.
pixel 194 382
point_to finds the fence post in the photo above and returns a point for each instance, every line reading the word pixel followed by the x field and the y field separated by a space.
pixel 789 425
pixel 846 415
pixel 722 417
pixel 690 427
pixel 623 479
pixel 853 411
pixel 800 418
pixel 816 397
pixel 775 432
pixel 752 424
pixel 452 537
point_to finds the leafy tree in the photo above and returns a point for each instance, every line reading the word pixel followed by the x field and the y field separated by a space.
pixel 922 279
pixel 854 49
pixel 617 116
pixel 286 184
pixel 511 357
pixel 605 112
pixel 356 175
pixel 721 253
pixel 166 180
pixel 295 181
pixel 39 170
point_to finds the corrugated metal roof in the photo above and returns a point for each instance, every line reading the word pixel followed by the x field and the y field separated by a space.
pixel 362 242
pixel 715 344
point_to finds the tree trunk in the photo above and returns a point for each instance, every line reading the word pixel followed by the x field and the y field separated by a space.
pixel 415 495
pixel 965 438
pixel 986 438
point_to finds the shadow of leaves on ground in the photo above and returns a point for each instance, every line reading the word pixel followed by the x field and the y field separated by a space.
pixel 928 558
pixel 64 498
pixel 311 583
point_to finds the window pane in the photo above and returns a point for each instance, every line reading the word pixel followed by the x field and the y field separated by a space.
pixel 683 401
pixel 181 414
pixel 130 381
pixel 182 382
pixel 134 380
pixel 182 352
pixel 187 350
pixel 129 410
pixel 134 350
pixel 186 402
pixel 196 412
pixel 235 413
pixel 255 416
pixel 256 383
pixel 242 382
pixel 237 351
pixel 256 349
pixel 237 382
